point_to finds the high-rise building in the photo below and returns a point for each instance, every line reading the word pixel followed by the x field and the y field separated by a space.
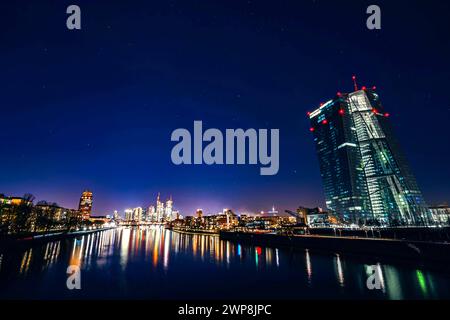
pixel 146 215
pixel 116 215
pixel 85 205
pixel 152 213
pixel 159 209
pixel 128 215
pixel 169 209
pixel 137 214
pixel 365 176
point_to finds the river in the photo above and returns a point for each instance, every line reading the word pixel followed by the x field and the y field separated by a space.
pixel 154 263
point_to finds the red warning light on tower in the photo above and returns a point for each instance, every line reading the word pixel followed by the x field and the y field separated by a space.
pixel 354 83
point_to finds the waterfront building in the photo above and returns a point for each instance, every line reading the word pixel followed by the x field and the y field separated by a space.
pixel 116 216
pixel 43 216
pixel 137 214
pixel 169 210
pixel 13 201
pixel 315 217
pixel 257 223
pixel 190 222
pixel 365 176
pixel 440 214
pixel 100 220
pixel 51 211
pixel 145 215
pixel 73 216
pixel 177 215
pixel 318 218
pixel 159 209
pixel 128 215
pixel 231 218
pixel 152 214
pixel 199 213
pixel 10 209
pixel 85 205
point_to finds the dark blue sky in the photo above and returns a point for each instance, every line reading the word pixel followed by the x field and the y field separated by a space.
pixel 95 108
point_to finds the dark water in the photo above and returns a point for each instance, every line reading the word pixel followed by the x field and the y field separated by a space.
pixel 153 263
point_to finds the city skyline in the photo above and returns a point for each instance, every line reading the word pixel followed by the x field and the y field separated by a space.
pixel 104 123
pixel 86 207
pixel 224 158
pixel 159 207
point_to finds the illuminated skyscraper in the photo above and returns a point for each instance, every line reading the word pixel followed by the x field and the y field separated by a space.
pixel 85 205
pixel 116 215
pixel 159 209
pixel 364 173
pixel 169 208
pixel 128 215
pixel 137 214
pixel 152 214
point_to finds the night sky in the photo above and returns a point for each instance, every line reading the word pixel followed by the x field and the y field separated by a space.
pixel 95 108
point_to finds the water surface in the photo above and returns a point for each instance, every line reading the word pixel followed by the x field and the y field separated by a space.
pixel 154 263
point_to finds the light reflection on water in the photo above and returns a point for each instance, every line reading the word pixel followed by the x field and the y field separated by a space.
pixel 152 262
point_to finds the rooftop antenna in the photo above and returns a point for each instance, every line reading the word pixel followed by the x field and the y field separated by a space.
pixel 354 83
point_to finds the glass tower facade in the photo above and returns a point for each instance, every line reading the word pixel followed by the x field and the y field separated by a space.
pixel 365 176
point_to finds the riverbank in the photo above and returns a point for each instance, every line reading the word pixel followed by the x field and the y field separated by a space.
pixel 403 249
pixel 397 233
pixel 114 261
pixel 53 236
pixel 194 231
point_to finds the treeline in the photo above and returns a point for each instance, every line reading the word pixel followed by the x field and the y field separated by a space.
pixel 26 217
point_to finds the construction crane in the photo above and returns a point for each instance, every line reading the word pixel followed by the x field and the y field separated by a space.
pixel 301 220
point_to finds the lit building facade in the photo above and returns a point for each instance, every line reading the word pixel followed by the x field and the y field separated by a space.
pixel 176 215
pixel 159 209
pixel 128 215
pixel 13 201
pixel 52 211
pixel 151 211
pixel 364 173
pixel 137 214
pixel 85 205
pixel 169 210
pixel 440 214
